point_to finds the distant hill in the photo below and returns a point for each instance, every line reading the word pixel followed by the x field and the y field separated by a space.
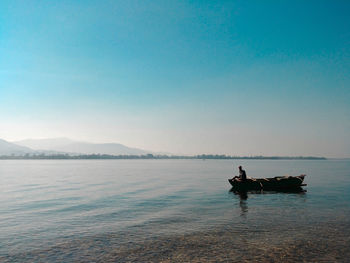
pixel 8 148
pixel 75 147
pixel 44 144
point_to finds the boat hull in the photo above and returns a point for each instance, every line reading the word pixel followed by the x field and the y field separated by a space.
pixel 268 184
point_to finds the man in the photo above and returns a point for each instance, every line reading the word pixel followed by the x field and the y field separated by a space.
pixel 242 175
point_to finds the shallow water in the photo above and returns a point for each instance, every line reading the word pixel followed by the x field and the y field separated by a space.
pixel 171 210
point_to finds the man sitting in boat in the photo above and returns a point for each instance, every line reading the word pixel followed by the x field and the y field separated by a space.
pixel 242 175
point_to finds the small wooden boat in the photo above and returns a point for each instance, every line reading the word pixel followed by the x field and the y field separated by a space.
pixel 268 184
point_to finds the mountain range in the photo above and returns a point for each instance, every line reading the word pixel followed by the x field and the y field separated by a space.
pixel 65 146
pixel 8 148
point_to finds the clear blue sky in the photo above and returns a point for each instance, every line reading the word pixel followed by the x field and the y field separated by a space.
pixel 232 77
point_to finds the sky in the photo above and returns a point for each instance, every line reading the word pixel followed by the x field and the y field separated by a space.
pixel 183 77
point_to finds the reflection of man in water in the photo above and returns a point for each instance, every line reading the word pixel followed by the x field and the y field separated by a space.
pixel 243 196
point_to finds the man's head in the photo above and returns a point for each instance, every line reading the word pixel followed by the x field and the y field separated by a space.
pixel 240 167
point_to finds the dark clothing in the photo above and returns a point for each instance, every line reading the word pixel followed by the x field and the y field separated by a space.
pixel 242 175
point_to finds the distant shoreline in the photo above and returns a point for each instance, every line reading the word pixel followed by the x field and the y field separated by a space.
pixel 151 156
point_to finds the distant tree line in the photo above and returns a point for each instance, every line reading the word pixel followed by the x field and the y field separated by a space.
pixel 151 156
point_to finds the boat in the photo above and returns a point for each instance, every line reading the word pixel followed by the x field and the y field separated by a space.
pixel 278 183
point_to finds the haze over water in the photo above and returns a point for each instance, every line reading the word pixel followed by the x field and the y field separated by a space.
pixel 240 78
pixel 170 210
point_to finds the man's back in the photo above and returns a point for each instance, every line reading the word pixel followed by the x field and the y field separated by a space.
pixel 243 175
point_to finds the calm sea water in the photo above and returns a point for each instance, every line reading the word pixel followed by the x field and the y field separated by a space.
pixel 170 211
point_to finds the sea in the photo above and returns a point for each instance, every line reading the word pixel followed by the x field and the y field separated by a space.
pixel 171 211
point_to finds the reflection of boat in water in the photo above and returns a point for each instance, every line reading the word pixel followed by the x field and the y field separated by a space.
pixel 243 195
pixel 280 184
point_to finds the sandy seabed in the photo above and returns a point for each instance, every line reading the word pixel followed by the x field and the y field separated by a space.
pixel 321 243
